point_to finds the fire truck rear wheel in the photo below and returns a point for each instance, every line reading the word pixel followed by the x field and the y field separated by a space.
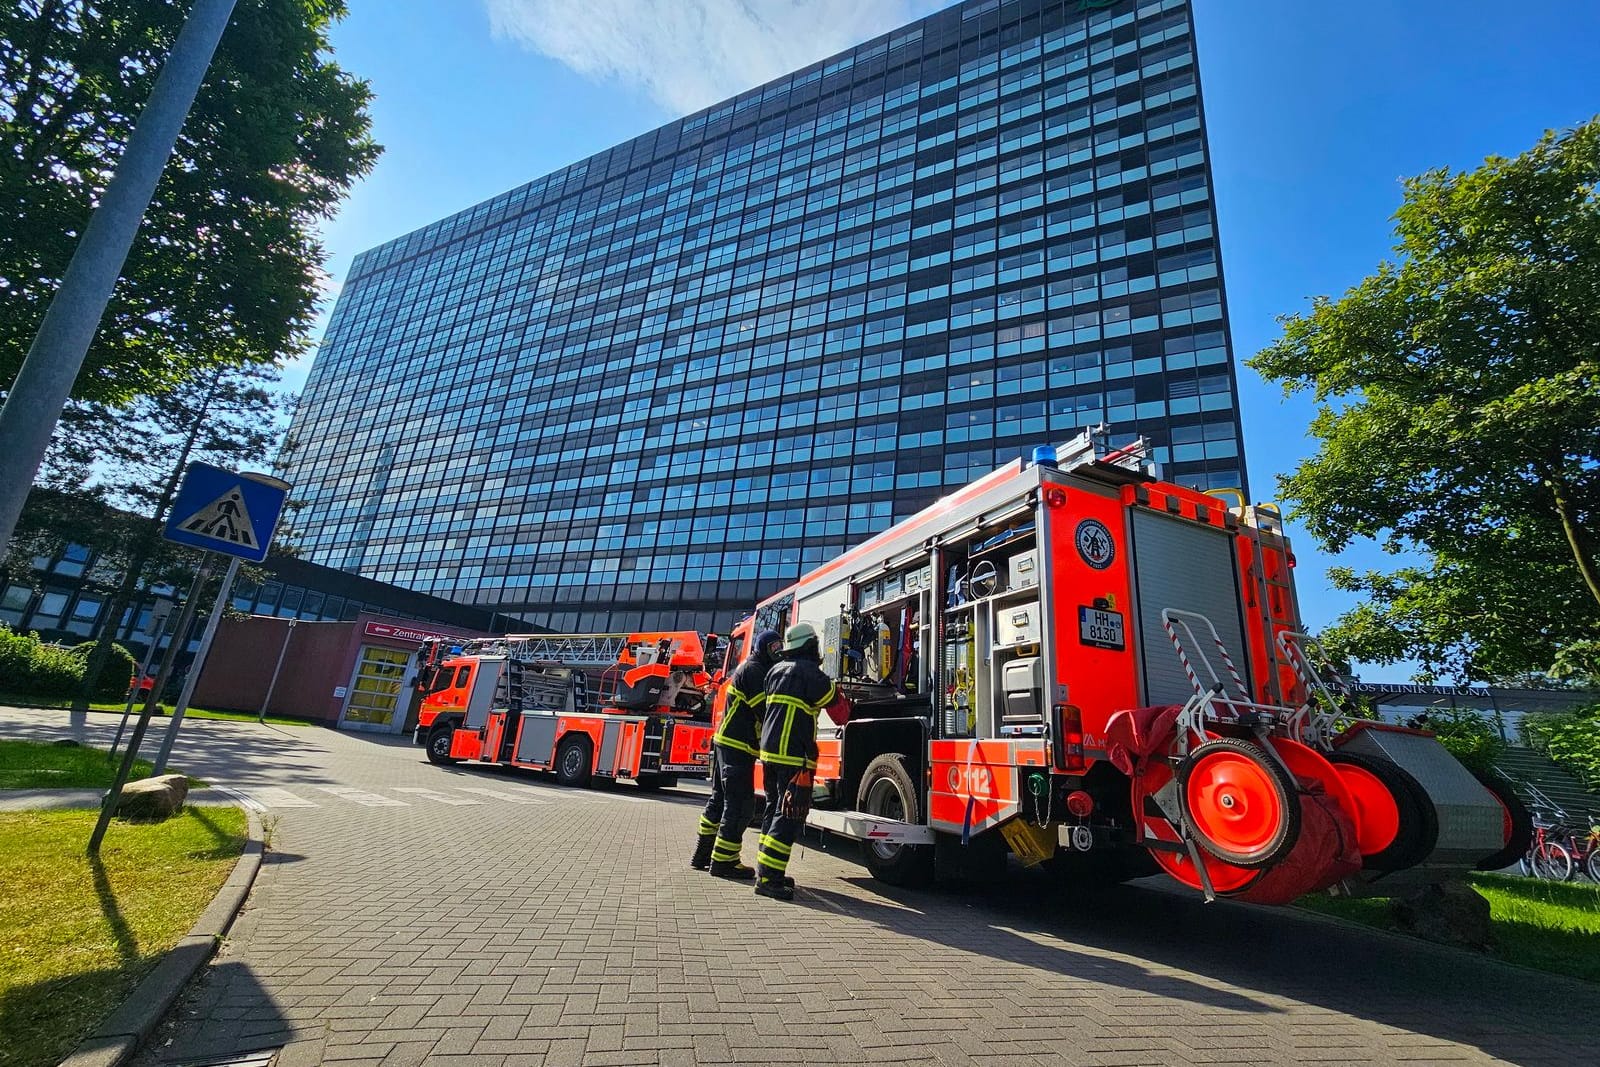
pixel 572 762
pixel 650 782
pixel 888 791
pixel 439 745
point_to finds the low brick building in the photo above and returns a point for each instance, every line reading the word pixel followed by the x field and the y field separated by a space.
pixel 355 674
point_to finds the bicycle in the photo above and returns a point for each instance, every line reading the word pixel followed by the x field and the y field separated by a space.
pixel 1585 848
pixel 1547 857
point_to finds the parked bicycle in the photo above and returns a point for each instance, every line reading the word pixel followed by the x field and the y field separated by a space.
pixel 1547 856
pixel 1585 848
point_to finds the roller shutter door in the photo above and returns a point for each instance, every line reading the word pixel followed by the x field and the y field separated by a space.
pixel 1182 564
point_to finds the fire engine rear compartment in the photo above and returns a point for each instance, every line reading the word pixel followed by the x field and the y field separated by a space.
pixel 991 642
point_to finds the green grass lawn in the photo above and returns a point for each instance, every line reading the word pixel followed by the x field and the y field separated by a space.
pixel 42 765
pixel 45 765
pixel 83 933
pixel 1551 926
pixel 16 701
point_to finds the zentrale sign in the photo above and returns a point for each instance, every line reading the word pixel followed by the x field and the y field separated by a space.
pixel 406 633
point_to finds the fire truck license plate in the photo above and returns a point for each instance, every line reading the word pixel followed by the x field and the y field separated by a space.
pixel 1102 629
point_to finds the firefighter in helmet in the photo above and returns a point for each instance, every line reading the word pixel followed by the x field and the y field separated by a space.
pixel 733 774
pixel 797 692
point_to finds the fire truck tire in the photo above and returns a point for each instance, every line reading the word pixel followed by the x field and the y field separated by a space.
pixel 573 761
pixel 1242 806
pixel 1415 822
pixel 887 791
pixel 649 783
pixel 439 745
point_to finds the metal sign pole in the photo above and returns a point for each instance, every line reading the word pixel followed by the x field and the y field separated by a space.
pixel 288 633
pixel 154 629
pixel 199 663
pixel 179 635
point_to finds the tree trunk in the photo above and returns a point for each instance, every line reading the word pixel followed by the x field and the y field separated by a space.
pixel 1576 537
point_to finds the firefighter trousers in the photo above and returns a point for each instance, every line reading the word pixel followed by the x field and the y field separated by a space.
pixel 733 800
pixel 778 831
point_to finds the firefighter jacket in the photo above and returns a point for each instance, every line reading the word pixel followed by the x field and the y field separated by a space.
pixel 741 715
pixel 797 691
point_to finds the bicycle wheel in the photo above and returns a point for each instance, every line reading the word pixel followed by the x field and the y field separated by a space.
pixel 1592 864
pixel 1557 863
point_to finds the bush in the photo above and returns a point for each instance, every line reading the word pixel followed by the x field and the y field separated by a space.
pixel 16 653
pixel 117 677
pixel 30 668
pixel 1571 738
pixel 1468 735
pixel 54 672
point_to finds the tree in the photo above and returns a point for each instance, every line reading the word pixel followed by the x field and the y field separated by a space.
pixel 136 455
pixel 1458 394
pixel 225 270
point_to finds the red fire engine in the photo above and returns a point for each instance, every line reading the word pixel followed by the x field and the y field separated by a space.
pixel 1105 671
pixel 582 705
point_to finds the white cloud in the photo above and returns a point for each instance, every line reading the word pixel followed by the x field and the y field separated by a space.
pixel 690 53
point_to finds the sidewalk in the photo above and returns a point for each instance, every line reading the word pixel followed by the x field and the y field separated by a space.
pixel 49 799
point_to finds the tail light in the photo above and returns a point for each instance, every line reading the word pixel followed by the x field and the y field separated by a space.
pixel 1068 732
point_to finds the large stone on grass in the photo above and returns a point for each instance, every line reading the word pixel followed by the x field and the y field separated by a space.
pixel 1452 913
pixel 153 798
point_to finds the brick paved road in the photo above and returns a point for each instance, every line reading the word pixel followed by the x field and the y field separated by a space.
pixel 415 916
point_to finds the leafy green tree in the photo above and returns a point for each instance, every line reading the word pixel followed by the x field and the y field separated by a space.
pixel 1458 393
pixel 225 268
pixel 131 459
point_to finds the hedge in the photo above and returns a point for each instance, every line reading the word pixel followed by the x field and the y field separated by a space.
pixel 30 668
pixel 116 678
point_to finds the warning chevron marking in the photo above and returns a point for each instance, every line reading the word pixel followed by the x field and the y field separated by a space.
pixel 225 519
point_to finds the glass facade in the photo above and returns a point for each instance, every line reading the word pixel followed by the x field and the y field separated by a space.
pixel 654 386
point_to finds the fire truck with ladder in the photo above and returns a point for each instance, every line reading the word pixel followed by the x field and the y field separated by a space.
pixel 585 706
pixel 1075 661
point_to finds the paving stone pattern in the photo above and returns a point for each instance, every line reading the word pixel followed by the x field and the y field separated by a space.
pixel 551 926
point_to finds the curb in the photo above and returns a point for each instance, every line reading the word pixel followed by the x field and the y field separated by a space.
pixel 119 1035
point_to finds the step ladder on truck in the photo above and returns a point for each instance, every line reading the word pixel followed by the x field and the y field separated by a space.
pixel 584 706
pixel 1075 661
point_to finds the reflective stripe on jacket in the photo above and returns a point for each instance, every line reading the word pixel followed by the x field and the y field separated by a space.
pixel 741 715
pixel 797 691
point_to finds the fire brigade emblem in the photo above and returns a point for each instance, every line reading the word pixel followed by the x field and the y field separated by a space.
pixel 1095 544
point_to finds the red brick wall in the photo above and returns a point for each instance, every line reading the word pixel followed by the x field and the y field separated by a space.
pixel 239 667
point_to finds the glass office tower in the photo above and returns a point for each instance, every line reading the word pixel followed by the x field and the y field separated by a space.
pixel 649 388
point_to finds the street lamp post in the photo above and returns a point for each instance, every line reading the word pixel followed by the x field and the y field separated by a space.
pixel 282 652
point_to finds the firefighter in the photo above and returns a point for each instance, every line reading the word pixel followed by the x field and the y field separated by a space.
pixel 733 772
pixel 797 691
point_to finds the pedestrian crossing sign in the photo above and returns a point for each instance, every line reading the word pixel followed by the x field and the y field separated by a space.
pixel 222 511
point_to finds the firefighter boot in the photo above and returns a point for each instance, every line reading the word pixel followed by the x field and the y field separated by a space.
pixel 702 852
pixel 732 869
pixel 777 888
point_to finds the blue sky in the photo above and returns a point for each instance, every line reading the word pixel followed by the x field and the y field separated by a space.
pixel 1315 113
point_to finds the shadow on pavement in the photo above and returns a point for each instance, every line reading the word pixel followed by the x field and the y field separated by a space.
pixel 224 1012
pixel 982 936
pixel 1030 918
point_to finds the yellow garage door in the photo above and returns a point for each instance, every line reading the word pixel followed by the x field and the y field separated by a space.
pixel 375 697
